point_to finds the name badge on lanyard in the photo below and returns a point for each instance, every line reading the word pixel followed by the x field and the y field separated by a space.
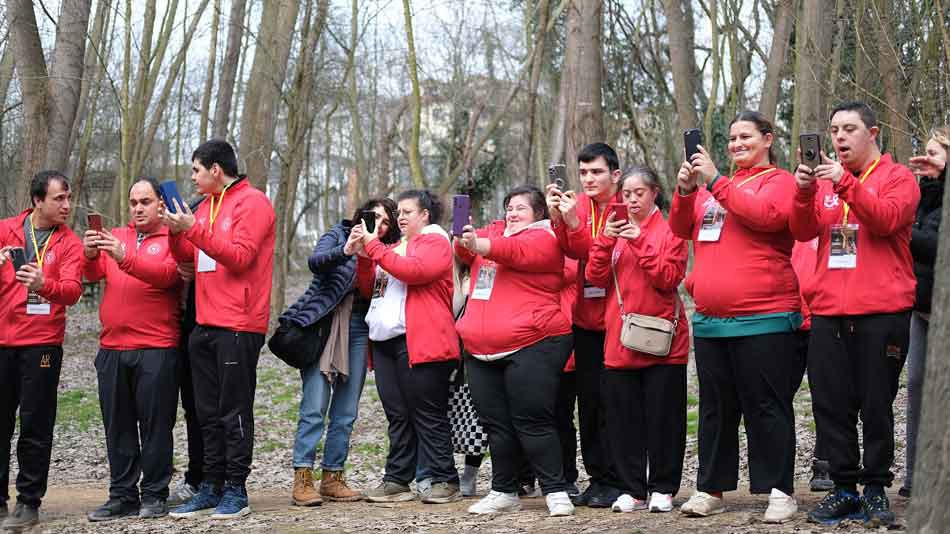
pixel 485 282
pixel 713 220
pixel 843 253
pixel 206 264
pixel 36 305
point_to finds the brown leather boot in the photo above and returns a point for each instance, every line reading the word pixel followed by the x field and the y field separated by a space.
pixel 333 487
pixel 304 492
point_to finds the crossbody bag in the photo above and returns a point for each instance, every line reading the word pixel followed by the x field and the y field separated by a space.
pixel 646 333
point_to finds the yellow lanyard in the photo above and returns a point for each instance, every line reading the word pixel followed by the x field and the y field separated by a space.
pixel 754 176
pixel 596 227
pixel 214 212
pixel 844 220
pixel 36 247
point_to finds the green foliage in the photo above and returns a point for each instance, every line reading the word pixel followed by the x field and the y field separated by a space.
pixel 79 408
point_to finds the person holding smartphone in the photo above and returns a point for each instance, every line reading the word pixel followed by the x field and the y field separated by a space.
pixel 332 385
pixel 638 257
pixel 33 301
pixel 861 208
pixel 748 311
pixel 138 353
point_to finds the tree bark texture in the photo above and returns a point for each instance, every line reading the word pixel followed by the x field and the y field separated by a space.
pixel 583 66
pixel 229 68
pixel 683 62
pixel 783 22
pixel 415 159
pixel 810 72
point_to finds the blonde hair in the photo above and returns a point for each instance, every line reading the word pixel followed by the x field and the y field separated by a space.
pixel 942 136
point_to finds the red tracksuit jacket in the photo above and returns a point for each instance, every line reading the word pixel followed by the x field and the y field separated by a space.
pixel 884 208
pixel 525 302
pixel 236 295
pixel 62 270
pixel 568 297
pixel 804 256
pixel 140 306
pixel 749 270
pixel 649 269
pixel 426 269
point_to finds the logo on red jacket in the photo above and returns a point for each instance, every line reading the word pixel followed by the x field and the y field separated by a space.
pixel 226 224
pixel 50 257
pixel 831 201
pixel 154 249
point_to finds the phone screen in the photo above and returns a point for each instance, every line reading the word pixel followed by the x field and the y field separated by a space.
pixel 369 220
pixel 94 221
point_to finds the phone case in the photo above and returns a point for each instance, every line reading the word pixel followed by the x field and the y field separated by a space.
pixel 369 220
pixel 811 149
pixel 169 191
pixel 557 175
pixel 691 140
pixel 94 221
pixel 620 211
pixel 19 258
pixel 461 207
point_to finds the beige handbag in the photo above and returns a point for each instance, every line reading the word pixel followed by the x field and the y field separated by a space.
pixel 645 333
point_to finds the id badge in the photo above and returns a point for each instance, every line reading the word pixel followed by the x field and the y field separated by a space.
pixel 36 305
pixel 843 252
pixel 379 286
pixel 485 282
pixel 594 292
pixel 206 264
pixel 713 220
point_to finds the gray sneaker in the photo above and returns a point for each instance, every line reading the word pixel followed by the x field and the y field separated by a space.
pixel 388 491
pixel 23 516
pixel 442 493
pixel 153 508
pixel 182 493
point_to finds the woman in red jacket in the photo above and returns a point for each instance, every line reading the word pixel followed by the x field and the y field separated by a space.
pixel 644 396
pixel 748 310
pixel 519 340
pixel 415 347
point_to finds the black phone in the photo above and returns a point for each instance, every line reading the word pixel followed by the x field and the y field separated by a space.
pixel 810 145
pixel 19 258
pixel 557 175
pixel 369 220
pixel 692 138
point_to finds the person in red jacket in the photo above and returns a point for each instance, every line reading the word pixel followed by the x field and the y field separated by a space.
pixel 33 304
pixel 230 239
pixel 641 263
pixel 861 208
pixel 577 220
pixel 748 310
pixel 519 340
pixel 137 355
pixel 415 347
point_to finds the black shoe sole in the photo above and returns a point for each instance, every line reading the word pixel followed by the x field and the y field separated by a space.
pixel 820 486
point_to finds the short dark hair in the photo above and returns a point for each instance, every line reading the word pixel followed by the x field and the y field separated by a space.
pixel 426 201
pixel 599 150
pixel 150 180
pixel 39 184
pixel 392 234
pixel 650 178
pixel 217 151
pixel 861 108
pixel 762 124
pixel 535 198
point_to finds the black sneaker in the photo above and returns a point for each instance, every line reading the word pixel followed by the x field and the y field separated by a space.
pixel 820 477
pixel 572 490
pixel 840 504
pixel 904 492
pixel 877 508
pixel 114 509
pixel 23 516
pixel 604 498
pixel 153 508
pixel 583 499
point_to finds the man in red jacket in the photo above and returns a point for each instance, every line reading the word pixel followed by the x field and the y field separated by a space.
pixel 230 239
pixel 33 304
pixel 861 209
pixel 137 355
pixel 578 219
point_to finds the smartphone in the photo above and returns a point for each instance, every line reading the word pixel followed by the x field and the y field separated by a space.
pixel 557 175
pixel 692 138
pixel 94 221
pixel 810 145
pixel 461 213
pixel 369 220
pixel 620 211
pixel 169 191
pixel 19 258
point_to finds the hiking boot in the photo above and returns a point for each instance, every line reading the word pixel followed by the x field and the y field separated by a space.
pixel 702 504
pixel 661 502
pixel 388 491
pixel 203 503
pixel 605 497
pixel 442 493
pixel 23 516
pixel 584 498
pixel 877 508
pixel 559 504
pixel 820 476
pixel 333 487
pixel 838 505
pixel 114 509
pixel 496 502
pixel 182 493
pixel 233 503
pixel 782 507
pixel 304 494
pixel 627 503
pixel 153 509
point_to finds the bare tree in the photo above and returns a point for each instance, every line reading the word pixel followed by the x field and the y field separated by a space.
pixel 679 20
pixel 782 25
pixel 812 46
pixel 229 69
pixel 415 161
pixel 209 73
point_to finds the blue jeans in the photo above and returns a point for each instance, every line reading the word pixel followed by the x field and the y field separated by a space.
pixel 342 399
pixel 916 366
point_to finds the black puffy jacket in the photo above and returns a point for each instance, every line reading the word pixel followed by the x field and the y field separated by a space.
pixel 334 275
pixel 924 238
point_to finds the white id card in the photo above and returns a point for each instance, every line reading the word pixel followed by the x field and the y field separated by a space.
pixel 36 305
pixel 206 264
pixel 843 252
pixel 594 292
pixel 713 220
pixel 485 282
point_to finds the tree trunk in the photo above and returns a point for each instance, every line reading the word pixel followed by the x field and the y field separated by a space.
pixel 537 62
pixel 782 24
pixel 415 160
pixel 716 75
pixel 892 77
pixel 683 62
pixel 229 67
pixel 209 73
pixel 810 72
pixel 353 98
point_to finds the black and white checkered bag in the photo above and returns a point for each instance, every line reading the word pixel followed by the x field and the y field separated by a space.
pixel 468 436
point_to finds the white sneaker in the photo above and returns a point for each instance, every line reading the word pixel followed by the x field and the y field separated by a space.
pixel 627 503
pixel 661 502
pixel 559 504
pixel 702 504
pixel 496 502
pixel 781 508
